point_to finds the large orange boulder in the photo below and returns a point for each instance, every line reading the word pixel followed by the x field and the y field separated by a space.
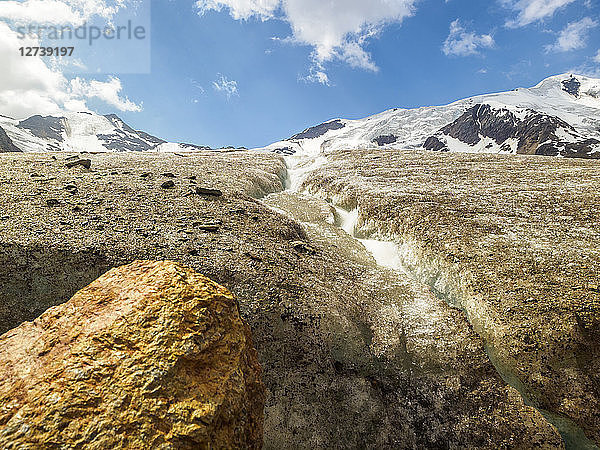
pixel 150 355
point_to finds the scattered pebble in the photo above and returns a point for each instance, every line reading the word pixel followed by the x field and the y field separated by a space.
pixel 303 247
pixel 71 189
pixel 253 257
pixel 86 163
pixel 168 185
pixel 211 226
pixel 208 192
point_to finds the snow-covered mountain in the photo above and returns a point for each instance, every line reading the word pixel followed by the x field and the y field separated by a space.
pixel 559 116
pixel 78 132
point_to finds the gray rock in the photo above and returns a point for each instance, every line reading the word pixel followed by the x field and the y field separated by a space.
pixel 48 127
pixel 319 130
pixel 71 189
pixel 209 225
pixel 85 163
pixel 6 144
pixel 208 192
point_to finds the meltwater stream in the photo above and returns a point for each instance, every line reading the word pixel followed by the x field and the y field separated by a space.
pixel 385 253
pixel 388 255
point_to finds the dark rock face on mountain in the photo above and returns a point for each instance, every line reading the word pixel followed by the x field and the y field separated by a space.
pixel 147 138
pixel 6 144
pixel 120 141
pixel 286 151
pixel 572 86
pixel 434 144
pixel 535 134
pixel 319 130
pixel 126 138
pixel 48 127
pixel 193 147
pixel 385 139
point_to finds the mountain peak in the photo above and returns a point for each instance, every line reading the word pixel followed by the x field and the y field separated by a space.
pixel 78 132
pixel 578 86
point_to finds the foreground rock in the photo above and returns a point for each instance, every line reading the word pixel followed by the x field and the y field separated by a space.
pixel 349 352
pixel 151 355
pixel 511 241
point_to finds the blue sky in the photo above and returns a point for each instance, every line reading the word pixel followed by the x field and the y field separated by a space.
pixel 237 72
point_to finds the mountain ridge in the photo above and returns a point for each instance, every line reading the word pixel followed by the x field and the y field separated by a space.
pixel 81 132
pixel 560 116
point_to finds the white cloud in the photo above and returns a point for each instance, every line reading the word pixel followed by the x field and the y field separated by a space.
pixel 226 86
pixel 58 11
pixel 461 42
pixel 590 68
pixel 198 87
pixel 107 91
pixel 320 77
pixel 29 86
pixel 530 11
pixel 317 76
pixel 241 9
pixel 573 36
pixel 55 12
pixel 335 29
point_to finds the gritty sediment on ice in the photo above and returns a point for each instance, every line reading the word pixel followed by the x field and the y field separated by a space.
pixel 511 241
pixel 333 332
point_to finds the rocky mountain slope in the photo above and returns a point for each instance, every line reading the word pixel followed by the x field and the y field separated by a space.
pixel 558 117
pixel 80 132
